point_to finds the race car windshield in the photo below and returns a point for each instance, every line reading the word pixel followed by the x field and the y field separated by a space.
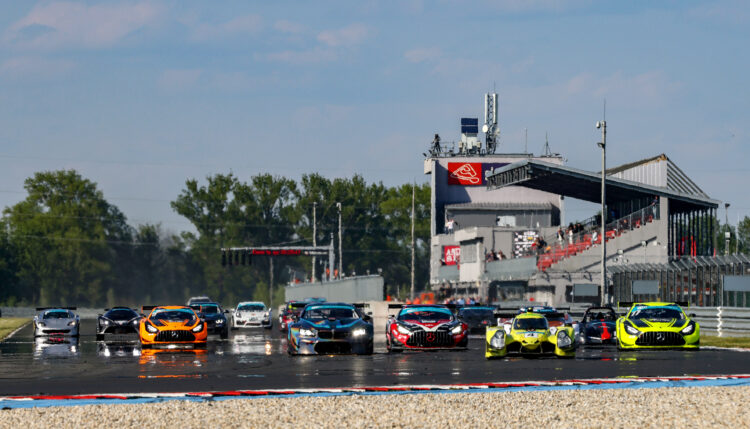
pixel 176 315
pixel 657 313
pixel 209 309
pixel 530 324
pixel 327 313
pixel 425 314
pixel 120 314
pixel 605 315
pixel 251 307
pixel 476 313
pixel 57 315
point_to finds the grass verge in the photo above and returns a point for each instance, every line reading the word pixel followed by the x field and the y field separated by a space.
pixel 711 340
pixel 10 324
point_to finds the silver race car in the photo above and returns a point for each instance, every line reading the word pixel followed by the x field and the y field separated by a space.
pixel 55 321
pixel 252 314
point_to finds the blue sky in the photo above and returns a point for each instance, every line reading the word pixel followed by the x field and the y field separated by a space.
pixel 139 96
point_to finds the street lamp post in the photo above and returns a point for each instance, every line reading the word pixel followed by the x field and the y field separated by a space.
pixel 603 145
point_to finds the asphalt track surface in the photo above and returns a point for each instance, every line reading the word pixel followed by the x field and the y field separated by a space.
pixel 256 360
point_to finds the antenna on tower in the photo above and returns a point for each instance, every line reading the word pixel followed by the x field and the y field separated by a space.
pixel 546 151
pixel 491 128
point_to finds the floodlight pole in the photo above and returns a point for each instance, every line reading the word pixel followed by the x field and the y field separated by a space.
pixel 314 240
pixel 603 146
pixel 341 254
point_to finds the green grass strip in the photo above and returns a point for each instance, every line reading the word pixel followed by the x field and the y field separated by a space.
pixel 711 340
pixel 10 324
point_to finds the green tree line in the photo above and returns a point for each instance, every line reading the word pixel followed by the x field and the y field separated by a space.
pixel 65 244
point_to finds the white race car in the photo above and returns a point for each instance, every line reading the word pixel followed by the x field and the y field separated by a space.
pixel 56 321
pixel 252 314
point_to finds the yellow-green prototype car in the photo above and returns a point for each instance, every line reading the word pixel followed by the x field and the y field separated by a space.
pixel 529 334
pixel 650 325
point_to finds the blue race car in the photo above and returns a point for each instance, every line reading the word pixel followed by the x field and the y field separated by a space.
pixel 330 328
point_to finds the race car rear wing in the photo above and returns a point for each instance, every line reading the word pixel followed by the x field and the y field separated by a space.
pixel 146 308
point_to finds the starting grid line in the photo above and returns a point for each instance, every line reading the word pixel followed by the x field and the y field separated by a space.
pixel 596 383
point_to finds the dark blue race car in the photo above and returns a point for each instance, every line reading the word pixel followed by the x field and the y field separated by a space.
pixel 598 326
pixel 330 328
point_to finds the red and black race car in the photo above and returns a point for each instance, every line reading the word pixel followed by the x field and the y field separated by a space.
pixel 291 308
pixel 425 327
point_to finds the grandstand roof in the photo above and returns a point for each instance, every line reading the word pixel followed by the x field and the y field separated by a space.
pixel 586 185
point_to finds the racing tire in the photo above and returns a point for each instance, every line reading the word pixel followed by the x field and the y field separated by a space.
pixel 224 334
pixel 270 326
pixel 99 337
pixel 370 349
pixel 145 346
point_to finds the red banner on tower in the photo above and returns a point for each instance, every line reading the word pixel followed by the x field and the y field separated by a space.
pixel 451 254
pixel 465 173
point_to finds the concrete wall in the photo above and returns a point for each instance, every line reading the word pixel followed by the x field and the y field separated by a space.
pixel 353 289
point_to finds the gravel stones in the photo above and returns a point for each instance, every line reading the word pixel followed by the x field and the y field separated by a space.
pixel 693 407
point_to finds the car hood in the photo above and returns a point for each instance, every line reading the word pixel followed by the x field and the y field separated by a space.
pixel 659 323
pixel 332 324
pixel 213 317
pixel 250 313
pixel 57 323
pixel 173 324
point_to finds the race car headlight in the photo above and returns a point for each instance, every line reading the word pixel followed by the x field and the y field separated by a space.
pixel 403 330
pixel 498 340
pixel 687 330
pixel 135 322
pixel 359 332
pixel 151 329
pixel 198 327
pixel 457 330
pixel 306 332
pixel 563 340
pixel 631 330
pixel 40 324
pixel 220 321
pixel 72 323
pixel 105 322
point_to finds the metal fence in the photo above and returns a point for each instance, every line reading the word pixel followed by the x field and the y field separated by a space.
pixel 697 280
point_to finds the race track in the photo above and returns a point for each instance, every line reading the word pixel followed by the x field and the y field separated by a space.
pixel 257 360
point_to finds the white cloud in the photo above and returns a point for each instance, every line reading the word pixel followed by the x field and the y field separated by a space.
pixel 422 55
pixel 66 24
pixel 313 56
pixel 350 35
pixel 246 24
pixel 290 27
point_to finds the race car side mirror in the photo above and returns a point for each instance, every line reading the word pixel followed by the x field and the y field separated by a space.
pixel 568 324
pixel 366 317
pixel 692 315
pixel 226 311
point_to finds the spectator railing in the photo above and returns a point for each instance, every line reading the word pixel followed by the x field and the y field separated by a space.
pixel 576 243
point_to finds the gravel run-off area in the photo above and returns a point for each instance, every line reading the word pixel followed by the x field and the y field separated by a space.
pixel 689 407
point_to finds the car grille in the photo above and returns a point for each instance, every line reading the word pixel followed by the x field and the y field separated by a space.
pixel 335 335
pixel 660 339
pixel 56 331
pixel 169 336
pixel 326 348
pixel 430 339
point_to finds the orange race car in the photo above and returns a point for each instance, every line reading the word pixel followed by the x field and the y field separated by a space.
pixel 172 325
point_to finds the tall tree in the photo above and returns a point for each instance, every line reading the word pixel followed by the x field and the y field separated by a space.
pixel 62 233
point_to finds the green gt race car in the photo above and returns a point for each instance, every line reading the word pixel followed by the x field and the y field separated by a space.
pixel 529 334
pixel 654 325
